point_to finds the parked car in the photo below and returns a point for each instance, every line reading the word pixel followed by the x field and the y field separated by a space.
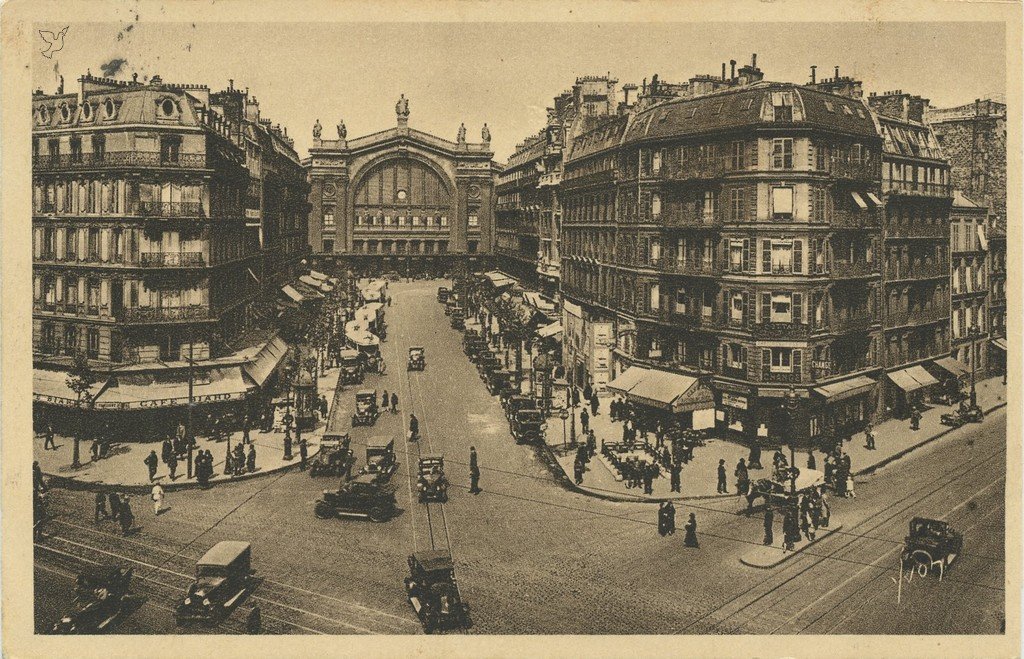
pixel 417 358
pixel 517 402
pixel 965 414
pixel 100 594
pixel 335 458
pixel 434 593
pixel 528 426
pixel 352 365
pixel 458 318
pixel 432 483
pixel 363 496
pixel 380 458
pixel 224 575
pixel 931 546
pixel 442 294
pixel 366 412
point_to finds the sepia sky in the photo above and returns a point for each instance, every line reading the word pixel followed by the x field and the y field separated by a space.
pixel 507 74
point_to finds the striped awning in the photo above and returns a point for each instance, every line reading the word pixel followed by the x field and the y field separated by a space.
pixel 844 389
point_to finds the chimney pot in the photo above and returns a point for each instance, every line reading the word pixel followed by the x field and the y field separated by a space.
pixel 837 73
pixel 732 69
pixel 753 61
pixel 723 70
pixel 814 74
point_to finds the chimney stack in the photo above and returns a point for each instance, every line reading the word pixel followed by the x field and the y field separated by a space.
pixel 753 61
pixel 814 74
pixel 837 73
pixel 732 69
pixel 723 70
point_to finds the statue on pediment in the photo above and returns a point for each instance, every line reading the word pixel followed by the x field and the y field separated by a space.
pixel 485 134
pixel 342 131
pixel 462 134
pixel 402 107
pixel 317 130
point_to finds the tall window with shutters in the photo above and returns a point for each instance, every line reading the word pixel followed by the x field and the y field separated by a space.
pixel 739 148
pixel 782 153
pixel 736 204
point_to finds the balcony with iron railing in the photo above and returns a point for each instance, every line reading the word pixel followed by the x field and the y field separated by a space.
pixel 918 230
pixel 899 271
pixel 75 161
pixel 867 219
pixel 171 209
pixel 682 219
pixel 853 269
pixel 172 259
pixel 691 170
pixel 900 318
pixel 826 370
pixel 146 315
pixel 844 323
pixel 916 189
pixel 860 171
pixel 691 268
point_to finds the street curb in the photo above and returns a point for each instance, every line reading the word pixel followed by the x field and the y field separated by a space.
pixel 567 483
pixel 71 483
pixel 788 555
pixel 867 471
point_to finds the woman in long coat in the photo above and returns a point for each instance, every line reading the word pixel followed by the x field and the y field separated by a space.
pixel 691 532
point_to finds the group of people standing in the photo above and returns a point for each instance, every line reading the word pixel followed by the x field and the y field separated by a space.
pixel 667 524
pixel 389 402
pixel 802 519
pixel 120 509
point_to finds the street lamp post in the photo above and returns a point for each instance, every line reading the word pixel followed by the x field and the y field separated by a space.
pixel 974 333
pixel 189 439
pixel 563 415
pixel 572 428
pixel 792 405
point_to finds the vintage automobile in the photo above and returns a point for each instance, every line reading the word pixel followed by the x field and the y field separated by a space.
pixel 451 303
pixel 458 318
pixel 475 349
pixel 335 458
pixel 931 546
pixel 380 458
pixel 366 408
pixel 223 577
pixel 442 294
pixel 417 358
pixel 528 426
pixel 363 496
pixel 351 366
pixel 499 379
pixel 487 362
pixel 965 414
pixel 100 594
pixel 432 483
pixel 518 402
pixel 780 492
pixel 434 593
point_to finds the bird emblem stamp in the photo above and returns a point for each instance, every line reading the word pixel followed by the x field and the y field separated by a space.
pixel 54 42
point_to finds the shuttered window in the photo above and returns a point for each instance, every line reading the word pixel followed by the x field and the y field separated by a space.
pixel 798 308
pixel 798 256
pixel 766 307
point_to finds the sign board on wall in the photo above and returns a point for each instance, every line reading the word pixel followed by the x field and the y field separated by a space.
pixel 732 400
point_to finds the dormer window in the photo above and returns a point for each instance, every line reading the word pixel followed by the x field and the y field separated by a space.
pixel 847 110
pixel 65 112
pixel 86 111
pixel 783 104
pixel 829 106
pixel 167 107
pixel 109 109
pixel 44 115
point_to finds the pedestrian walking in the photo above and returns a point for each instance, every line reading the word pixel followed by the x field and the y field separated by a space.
pixel 245 429
pixel 754 458
pixel 239 462
pixel 670 518
pixel 811 462
pixel 578 471
pixel 585 420
pixel 722 486
pixel 157 495
pixel 674 476
pixel 125 515
pixel 254 621
pixel 662 519
pixel 166 451
pixel 114 499
pixel 101 507
pixel 172 465
pixel 595 404
pixel 691 532
pixel 591 444
pixel 324 406
pixel 151 462
pixel 588 392
pixel 303 454
pixel 869 437
pixel 250 460
pixel 474 472
pixel 915 419
pixel 414 428
pixel 94 449
pixel 38 483
pixel 790 530
pixel 384 400
pixel 48 437
pixel 394 403
pixel 769 524
pixel 850 492
pixel 648 476
pixel 742 477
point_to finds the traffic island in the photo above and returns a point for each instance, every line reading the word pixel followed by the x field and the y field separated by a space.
pixel 769 556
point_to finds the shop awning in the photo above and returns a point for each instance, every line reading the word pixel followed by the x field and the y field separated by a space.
pixel 318 275
pixel 549 330
pixel 309 291
pixel 857 199
pixel 999 343
pixel 52 387
pixel 874 199
pixel 911 379
pixel 143 391
pixel 267 361
pixel 538 301
pixel 499 279
pixel 627 380
pixel 952 366
pixel 293 294
pixel 837 391
pixel 318 284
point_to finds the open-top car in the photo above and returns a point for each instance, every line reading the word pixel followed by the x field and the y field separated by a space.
pixel 223 577
pixel 363 496
pixel 432 483
pixel 100 593
pixel 931 546
pixel 366 412
pixel 498 380
pixel 442 294
pixel 417 358
pixel 434 593
pixel 380 457
pixel 964 414
pixel 335 458
pixel 351 363
pixel 528 426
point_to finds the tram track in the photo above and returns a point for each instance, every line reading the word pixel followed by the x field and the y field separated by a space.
pixel 762 603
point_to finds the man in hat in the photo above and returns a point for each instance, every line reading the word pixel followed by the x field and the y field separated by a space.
pixel 151 462
pixel 474 472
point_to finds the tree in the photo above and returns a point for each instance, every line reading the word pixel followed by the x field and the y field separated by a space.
pixel 80 380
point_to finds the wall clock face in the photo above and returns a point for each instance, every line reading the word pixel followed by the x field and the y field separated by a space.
pixel 330 190
pixel 474 191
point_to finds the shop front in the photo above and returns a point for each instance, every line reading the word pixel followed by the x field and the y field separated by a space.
pixel 953 377
pixel 672 398
pixel 909 389
pixel 841 409
pixel 54 402
pixel 998 356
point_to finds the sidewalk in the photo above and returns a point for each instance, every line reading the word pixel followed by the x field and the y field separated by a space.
pixel 123 469
pixel 893 440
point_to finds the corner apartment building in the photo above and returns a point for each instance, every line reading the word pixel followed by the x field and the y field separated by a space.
pixel 729 228
pixel 969 247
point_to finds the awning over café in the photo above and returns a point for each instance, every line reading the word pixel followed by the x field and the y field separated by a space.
pixel 52 387
pixel 266 361
pixel 911 379
pixel 140 391
pixel 499 279
pixel 318 275
pixel 837 391
pixel 549 330
pixel 292 294
pixel 1000 343
pixel 627 380
pixel 672 392
pixel 952 366
pixel 538 301
pixel 312 282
